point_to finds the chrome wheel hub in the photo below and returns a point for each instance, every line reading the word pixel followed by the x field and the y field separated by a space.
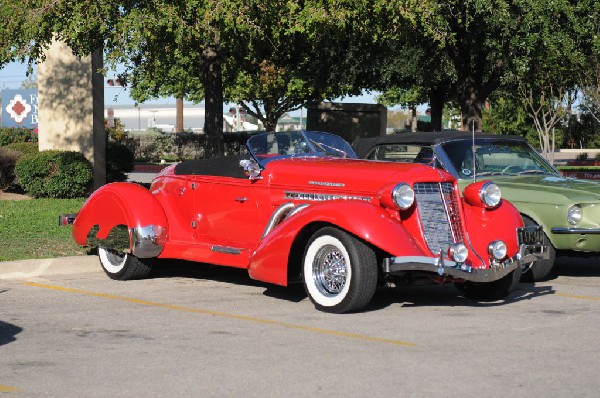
pixel 329 270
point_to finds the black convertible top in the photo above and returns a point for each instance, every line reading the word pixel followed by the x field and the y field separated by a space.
pixel 227 166
pixel 363 145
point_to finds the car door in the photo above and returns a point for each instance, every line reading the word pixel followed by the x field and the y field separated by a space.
pixel 226 212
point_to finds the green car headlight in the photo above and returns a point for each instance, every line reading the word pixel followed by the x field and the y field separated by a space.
pixel 574 214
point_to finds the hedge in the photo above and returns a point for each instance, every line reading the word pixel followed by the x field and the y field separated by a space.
pixel 55 174
pixel 9 135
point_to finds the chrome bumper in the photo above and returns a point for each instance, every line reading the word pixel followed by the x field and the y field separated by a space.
pixel 452 269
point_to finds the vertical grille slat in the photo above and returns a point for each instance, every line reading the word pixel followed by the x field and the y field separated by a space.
pixel 438 209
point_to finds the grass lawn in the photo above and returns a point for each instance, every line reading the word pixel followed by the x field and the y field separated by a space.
pixel 29 229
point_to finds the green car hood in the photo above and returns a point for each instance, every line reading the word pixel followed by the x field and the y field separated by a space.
pixel 544 189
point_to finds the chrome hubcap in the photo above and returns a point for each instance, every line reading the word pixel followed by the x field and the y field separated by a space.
pixel 329 270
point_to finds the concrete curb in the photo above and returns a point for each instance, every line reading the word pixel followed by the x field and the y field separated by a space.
pixel 52 266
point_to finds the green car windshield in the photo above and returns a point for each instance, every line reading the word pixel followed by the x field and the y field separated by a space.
pixel 494 157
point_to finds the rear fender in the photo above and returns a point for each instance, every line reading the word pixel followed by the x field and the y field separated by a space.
pixel 373 224
pixel 122 216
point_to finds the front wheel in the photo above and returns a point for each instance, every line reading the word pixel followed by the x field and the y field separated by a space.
pixel 540 269
pixel 339 271
pixel 123 266
pixel 491 291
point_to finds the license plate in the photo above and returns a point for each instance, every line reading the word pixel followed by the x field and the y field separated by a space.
pixel 531 235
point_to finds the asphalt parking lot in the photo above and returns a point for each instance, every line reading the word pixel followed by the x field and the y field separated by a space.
pixel 204 331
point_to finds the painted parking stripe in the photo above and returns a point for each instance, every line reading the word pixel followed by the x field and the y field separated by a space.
pixel 226 315
pixel 577 296
pixel 4 388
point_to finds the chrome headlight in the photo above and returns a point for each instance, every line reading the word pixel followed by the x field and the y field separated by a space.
pixel 574 214
pixel 490 194
pixel 497 249
pixel 458 252
pixel 403 195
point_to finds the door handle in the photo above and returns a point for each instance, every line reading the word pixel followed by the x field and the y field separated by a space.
pixel 241 199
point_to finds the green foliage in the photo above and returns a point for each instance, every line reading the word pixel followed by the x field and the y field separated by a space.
pixel 119 160
pixel 55 174
pixel 507 115
pixel 9 135
pixel 29 229
pixel 25 148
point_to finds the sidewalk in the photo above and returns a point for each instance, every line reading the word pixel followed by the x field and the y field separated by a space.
pixel 52 266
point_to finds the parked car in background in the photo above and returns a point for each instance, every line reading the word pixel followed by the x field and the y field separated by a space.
pixel 299 207
pixel 566 208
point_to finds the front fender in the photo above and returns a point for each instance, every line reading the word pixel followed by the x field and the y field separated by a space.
pixel 485 225
pixel 122 216
pixel 373 224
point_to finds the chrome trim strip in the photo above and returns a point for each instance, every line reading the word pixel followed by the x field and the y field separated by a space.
pixel 226 249
pixel 583 231
pixel 278 215
pixel 322 197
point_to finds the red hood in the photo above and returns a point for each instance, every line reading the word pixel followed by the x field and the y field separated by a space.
pixel 349 174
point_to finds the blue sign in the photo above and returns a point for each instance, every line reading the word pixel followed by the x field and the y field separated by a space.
pixel 20 108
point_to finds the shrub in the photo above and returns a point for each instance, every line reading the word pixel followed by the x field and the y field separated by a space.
pixel 8 160
pixel 25 148
pixel 55 174
pixel 9 135
pixel 119 160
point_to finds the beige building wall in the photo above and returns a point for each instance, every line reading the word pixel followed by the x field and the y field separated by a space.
pixel 71 106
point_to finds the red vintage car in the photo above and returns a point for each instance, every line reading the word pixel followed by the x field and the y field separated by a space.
pixel 299 207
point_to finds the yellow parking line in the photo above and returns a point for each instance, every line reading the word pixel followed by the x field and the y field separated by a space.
pixel 4 388
pixel 226 315
pixel 578 297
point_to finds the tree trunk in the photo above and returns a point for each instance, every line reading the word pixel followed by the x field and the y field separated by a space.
pixel 470 105
pixel 436 103
pixel 179 115
pixel 213 94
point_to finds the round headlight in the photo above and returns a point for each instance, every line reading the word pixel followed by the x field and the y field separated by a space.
pixel 497 249
pixel 458 252
pixel 574 214
pixel 403 196
pixel 490 194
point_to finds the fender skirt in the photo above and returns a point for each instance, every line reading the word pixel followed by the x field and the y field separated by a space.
pixel 373 224
pixel 124 217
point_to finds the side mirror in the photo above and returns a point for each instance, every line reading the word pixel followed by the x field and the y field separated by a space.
pixel 252 169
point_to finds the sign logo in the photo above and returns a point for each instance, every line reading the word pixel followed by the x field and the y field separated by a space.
pixel 18 109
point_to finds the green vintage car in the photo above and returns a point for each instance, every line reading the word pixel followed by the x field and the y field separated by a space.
pixel 568 209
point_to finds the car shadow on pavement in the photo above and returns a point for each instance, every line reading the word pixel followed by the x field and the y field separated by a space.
pixel 8 331
pixel 575 266
pixel 195 270
pixel 448 296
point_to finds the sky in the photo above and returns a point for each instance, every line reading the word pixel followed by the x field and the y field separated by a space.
pixel 13 75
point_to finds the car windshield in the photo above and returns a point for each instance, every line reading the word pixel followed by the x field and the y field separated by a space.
pixel 494 157
pixel 269 146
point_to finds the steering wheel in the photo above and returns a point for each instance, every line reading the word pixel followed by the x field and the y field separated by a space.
pixel 508 168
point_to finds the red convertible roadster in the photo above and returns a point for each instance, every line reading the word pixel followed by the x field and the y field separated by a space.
pixel 299 206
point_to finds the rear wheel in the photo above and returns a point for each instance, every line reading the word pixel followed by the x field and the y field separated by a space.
pixel 339 271
pixel 491 291
pixel 123 266
pixel 539 270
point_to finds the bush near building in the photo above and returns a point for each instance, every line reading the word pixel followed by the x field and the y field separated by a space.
pixel 9 135
pixel 55 174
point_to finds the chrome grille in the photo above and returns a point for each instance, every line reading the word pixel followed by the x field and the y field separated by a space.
pixel 440 217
